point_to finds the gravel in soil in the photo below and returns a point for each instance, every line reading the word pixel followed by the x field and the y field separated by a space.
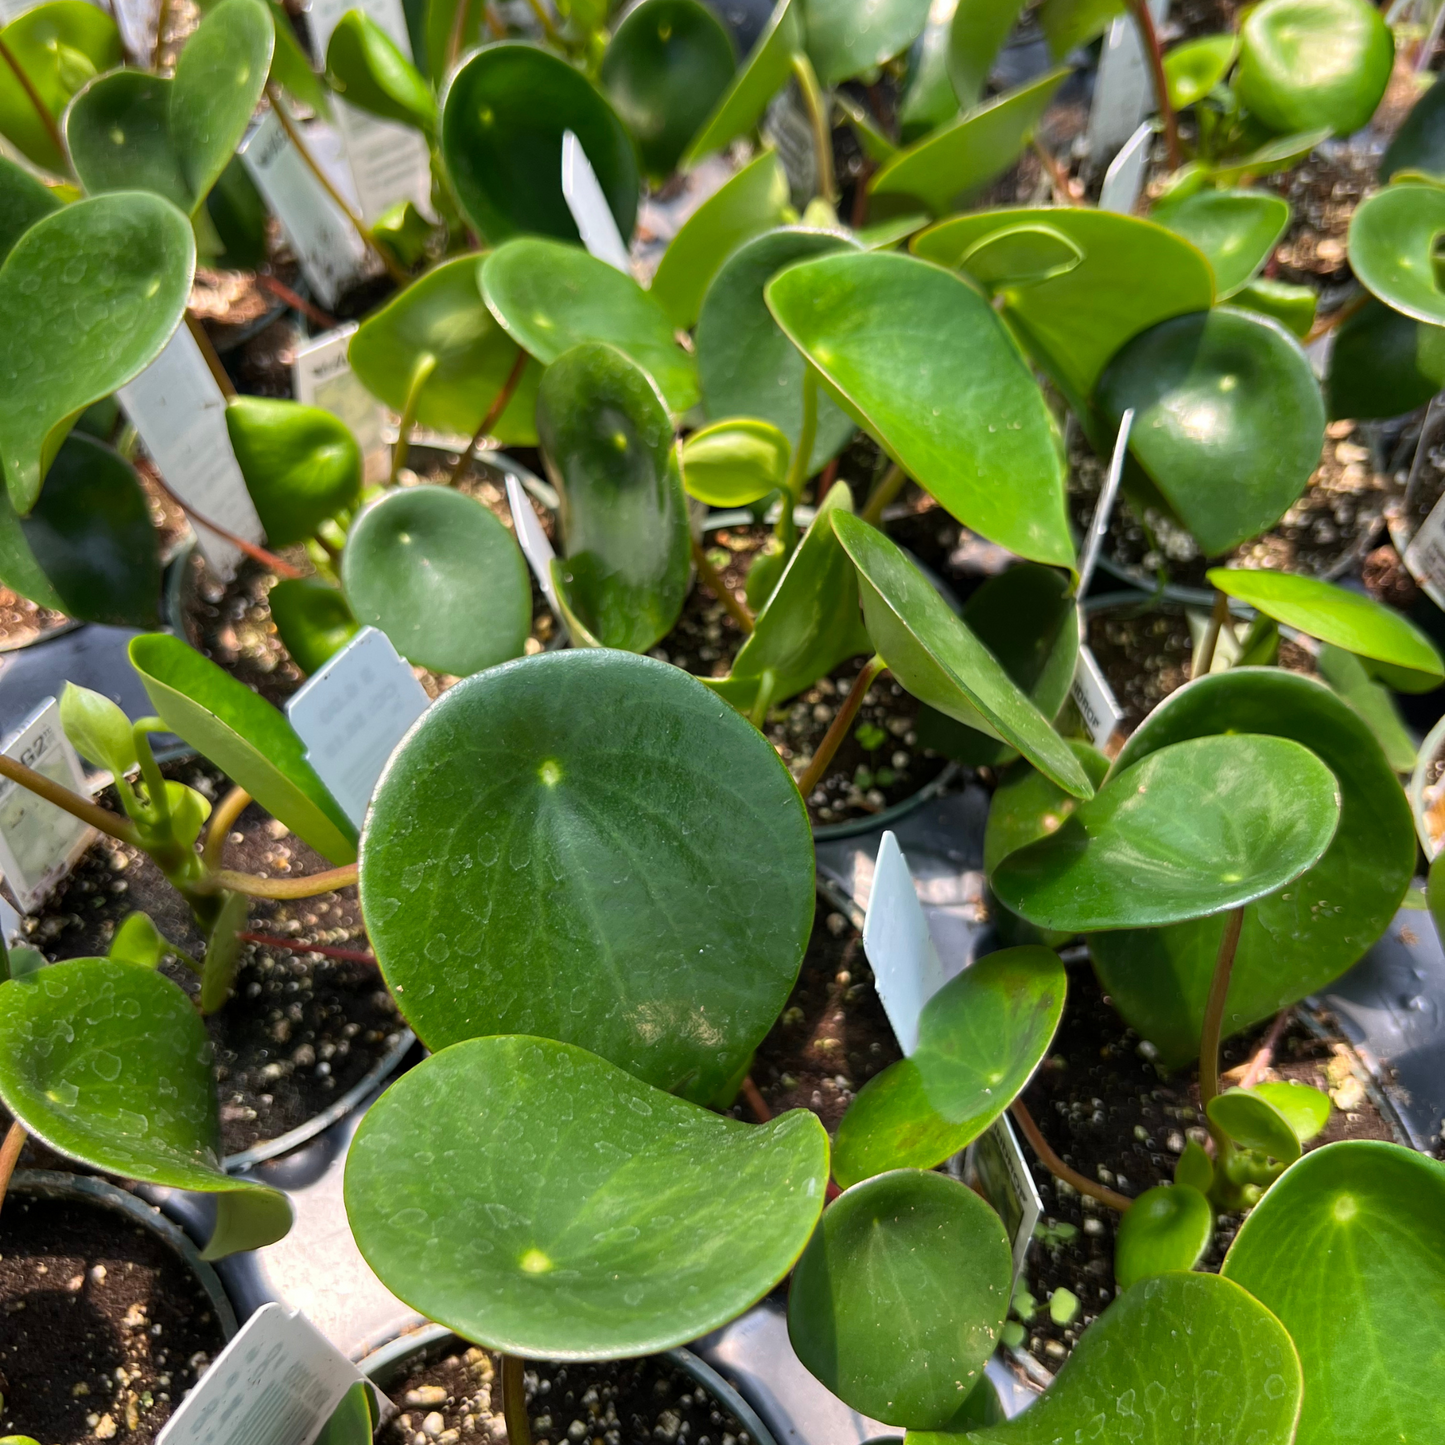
pixel 102 1328
pixel 455 1394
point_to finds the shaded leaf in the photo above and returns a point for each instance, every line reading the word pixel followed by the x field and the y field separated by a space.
pixel 365 67
pixel 1167 1228
pixel 312 620
pixel 1383 363
pixel 847 37
pixel 23 201
pixel 1254 1123
pixel 975 36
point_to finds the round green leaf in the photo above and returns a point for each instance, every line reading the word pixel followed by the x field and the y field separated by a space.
pixel 609 450
pixel 442 315
pixel 118 131
pixel 933 654
pixel 1307 1109
pixel 1165 1229
pixel 1193 69
pixel 1019 256
pixel 541 1201
pixel 1188 831
pixel 301 464
pixel 920 360
pixel 1419 144
pixel 847 37
pixel 1309 63
pixel 90 294
pixel 312 620
pixel 665 69
pixel 732 463
pixel 900 1295
pixel 980 1037
pixel 441 576
pixel 1236 230
pixel 365 67
pixel 108 1063
pixel 1348 1250
pixel 550 297
pixel 1297 940
pixel 1253 1122
pixel 503 116
pixel 1182 1359
pixel 1228 419
pixel 1392 243
pixel 664 945
pixel 23 201
pixel 1383 363
pixel 746 365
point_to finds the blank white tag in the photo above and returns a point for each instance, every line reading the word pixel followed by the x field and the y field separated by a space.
pixel 1425 556
pixel 1125 177
pixel 906 968
pixel 583 193
pixel 321 375
pixel 276 1383
pixel 39 842
pixel 1123 87
pixel 1104 508
pixel 180 413
pixel 996 1166
pixel 353 713
pixel 533 542
pixel 1095 699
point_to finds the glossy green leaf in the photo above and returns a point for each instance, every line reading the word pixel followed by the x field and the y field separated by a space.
pixel 550 298
pixel 1167 1228
pixel 618 1220
pixel 900 1295
pixel 1254 1123
pixel 1019 256
pixel 1236 230
pixel 138 940
pixel 749 203
pixel 666 67
pixel 1182 1359
pixel 975 36
pixel 312 620
pixel 365 67
pixel 60 46
pixel 1191 830
pixel 90 294
pixel 98 729
pixel 1307 1110
pixel 1133 275
pixel 958 159
pixel 1348 676
pixel 761 76
pixel 1392 242
pixel 934 655
pixel 109 1064
pixel 1292 306
pixel 503 116
pixel 1220 395
pixel 1348 1250
pixel 925 366
pixel 442 315
pixel 732 463
pixel 847 37
pixel 746 365
pixel 980 1037
pixel 1383 363
pixel 667 947
pixel 244 736
pixel 609 450
pixel 1419 144
pixel 1193 69
pixel 1299 939
pixel 1308 63
pixel 1194 1168
pixel 442 576
pixel 23 201
pixel 301 464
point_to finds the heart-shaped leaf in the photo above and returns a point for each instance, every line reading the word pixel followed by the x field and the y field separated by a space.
pixel 1306 1109
pixel 847 37
pixel 23 201
pixel 609 450
pixel 1148 1371
pixel 934 655
pixel 900 1295
pixel 1381 362
pixel 90 294
pixel 749 203
pixel 1253 1122
pixel 1237 230
pixel 1348 1250
pixel 1308 63
pixel 925 366
pixel 503 117
pixel 1020 256
pixel 1392 241
pixel 1165 1229
pixel 664 946
pixel 1228 419
pixel 441 576
pixel 980 1037
pixel 1419 144
pixel 666 67
pixel 1133 275
pixel 962 157
pixel 735 462
pixel 244 736
pixel 746 365
pixel 550 298
pixel 301 464
pixel 1193 69
pixel 1188 831
pixel 975 36
pixel 109 1064
pixel 442 316
pixel 618 1220
pixel 312 620
pixel 365 67
pixel 1295 941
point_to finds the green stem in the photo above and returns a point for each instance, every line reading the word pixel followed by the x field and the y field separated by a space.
pixel 1214 1022
pixel 1209 644
pixel 800 461
pixel 838 728
pixel 767 686
pixel 893 482
pixel 514 1402
pixel 160 804
pixel 425 365
pixel 817 105
pixel 51 125
pixel 225 879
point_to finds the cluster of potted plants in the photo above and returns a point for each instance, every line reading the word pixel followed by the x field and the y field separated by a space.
pixel 586 873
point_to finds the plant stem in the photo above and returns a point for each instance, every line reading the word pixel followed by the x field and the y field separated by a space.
pixel 498 406
pixel 10 1155
pixel 51 125
pixel 545 21
pixel 720 589
pixel 886 490
pixel 1058 1168
pixel 257 887
pixel 297 302
pixel 425 364
pixel 767 685
pixel 1214 1012
pixel 1264 1055
pixel 227 811
pixel 347 955
pixel 278 565
pixel 1145 20
pixel 1058 176
pixel 208 354
pixel 1204 659
pixel 119 828
pixel 514 1402
pixel 458 32
pixel 756 1102
pixel 1341 314
pixel 798 463
pixel 817 105
pixel 838 728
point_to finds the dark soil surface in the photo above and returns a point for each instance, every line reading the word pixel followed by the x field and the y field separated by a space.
pixel 102 1328
pixel 1323 191
pixel 455 1394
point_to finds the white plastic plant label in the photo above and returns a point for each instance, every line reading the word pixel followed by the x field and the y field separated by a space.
pixel 353 713
pixel 996 1167
pixel 1104 507
pixel 276 1383
pixel 39 843
pixel 1425 556
pixel 583 193
pixel 906 967
pixel 533 542
pixel 321 375
pixel 1125 177
pixel 179 411
pixel 1123 87
pixel 1095 699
